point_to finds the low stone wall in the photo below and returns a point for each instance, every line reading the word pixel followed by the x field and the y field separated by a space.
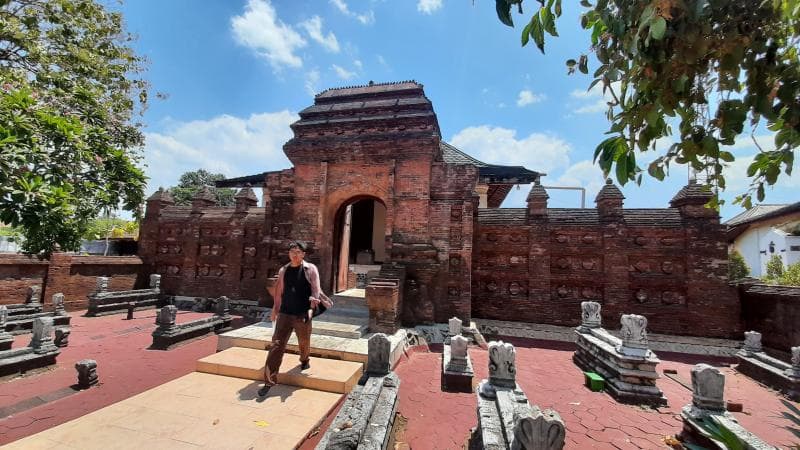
pixel 72 275
pixel 169 333
pixel 103 302
pixel 41 351
pixel 773 311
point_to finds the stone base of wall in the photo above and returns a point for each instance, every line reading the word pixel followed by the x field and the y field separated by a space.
pixel 21 360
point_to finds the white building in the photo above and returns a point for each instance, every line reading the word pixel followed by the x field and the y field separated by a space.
pixel 764 231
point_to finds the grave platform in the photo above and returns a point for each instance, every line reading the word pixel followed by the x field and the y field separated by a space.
pixel 248 363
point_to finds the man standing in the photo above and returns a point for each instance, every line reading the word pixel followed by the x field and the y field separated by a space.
pixel 296 292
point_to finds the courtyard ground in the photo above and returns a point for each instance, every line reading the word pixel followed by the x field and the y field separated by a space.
pixel 435 420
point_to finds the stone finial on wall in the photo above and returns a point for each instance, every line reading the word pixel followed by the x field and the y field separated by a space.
pixel 609 200
pixel 204 198
pixel 102 285
pixel 42 339
pixel 537 200
pixel 58 304
pixel 245 199
pixel 541 431
pixel 708 387
pixel 33 295
pixel 454 326
pixel 378 355
pixel 633 333
pixel 590 315
pixel 167 316
pixel 502 364
pixel 752 342
pixel 155 281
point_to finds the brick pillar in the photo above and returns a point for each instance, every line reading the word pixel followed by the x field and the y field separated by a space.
pixel 616 292
pixel 57 280
pixel 383 301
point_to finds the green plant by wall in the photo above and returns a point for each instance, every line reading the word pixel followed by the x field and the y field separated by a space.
pixel 774 268
pixel 737 267
pixel 791 276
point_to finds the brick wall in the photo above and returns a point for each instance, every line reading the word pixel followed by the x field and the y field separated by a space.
pixel 774 311
pixel 73 275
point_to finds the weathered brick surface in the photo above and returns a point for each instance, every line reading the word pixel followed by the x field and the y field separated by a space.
pixel 537 264
pixel 73 275
pixel 774 311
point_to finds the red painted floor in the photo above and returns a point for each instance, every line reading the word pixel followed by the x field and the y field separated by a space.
pixel 436 420
pixel 546 373
pixel 124 365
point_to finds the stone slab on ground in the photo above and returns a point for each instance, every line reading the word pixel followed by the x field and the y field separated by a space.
pixel 259 336
pixel 248 363
pixel 195 411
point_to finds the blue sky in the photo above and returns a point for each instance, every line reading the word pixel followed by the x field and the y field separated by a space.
pixel 237 72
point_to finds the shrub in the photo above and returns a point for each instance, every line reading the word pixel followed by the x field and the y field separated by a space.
pixel 774 268
pixel 791 276
pixel 737 268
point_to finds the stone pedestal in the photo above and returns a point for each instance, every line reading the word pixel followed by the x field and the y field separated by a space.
pixel 62 336
pixel 87 373
pixel 383 301
pixel 627 365
pixel 6 339
pixel 457 370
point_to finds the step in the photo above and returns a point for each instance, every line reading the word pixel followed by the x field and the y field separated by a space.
pixel 340 327
pixel 198 410
pixel 324 375
pixel 259 336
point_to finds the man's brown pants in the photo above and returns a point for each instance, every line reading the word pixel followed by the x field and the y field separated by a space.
pixel 280 335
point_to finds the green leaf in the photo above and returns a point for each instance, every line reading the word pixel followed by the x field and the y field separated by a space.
pixel 526 34
pixel 657 28
pixel 583 64
pixel 548 21
pixel 586 4
pixel 558 8
pixel 537 33
pixel 504 12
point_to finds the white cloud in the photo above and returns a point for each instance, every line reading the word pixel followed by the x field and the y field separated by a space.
pixel 358 64
pixel 429 6
pixel 366 18
pixel 527 97
pixel 538 151
pixel 313 27
pixel 343 73
pixel 312 82
pixel 225 144
pixel 583 174
pixel 260 29
pixel 382 61
pixel 593 101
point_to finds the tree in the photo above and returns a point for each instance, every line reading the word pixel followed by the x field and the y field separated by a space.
pixel 69 144
pixel 712 66
pixel 191 182
pixel 737 267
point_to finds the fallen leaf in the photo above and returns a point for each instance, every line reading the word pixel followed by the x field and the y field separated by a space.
pixel 261 423
pixel 216 421
pixel 575 403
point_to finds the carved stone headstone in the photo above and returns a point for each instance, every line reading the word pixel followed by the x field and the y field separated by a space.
pixel 708 386
pixel 455 326
pixel 6 339
pixel 223 306
pixel 458 348
pixel 3 317
pixel 542 431
pixel 155 281
pixel 87 373
pixel 378 351
pixel 167 316
pixel 33 295
pixel 752 342
pixel 42 339
pixel 794 371
pixel 58 304
pixel 62 336
pixel 502 364
pixel 102 285
pixel 590 315
pixel 634 335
